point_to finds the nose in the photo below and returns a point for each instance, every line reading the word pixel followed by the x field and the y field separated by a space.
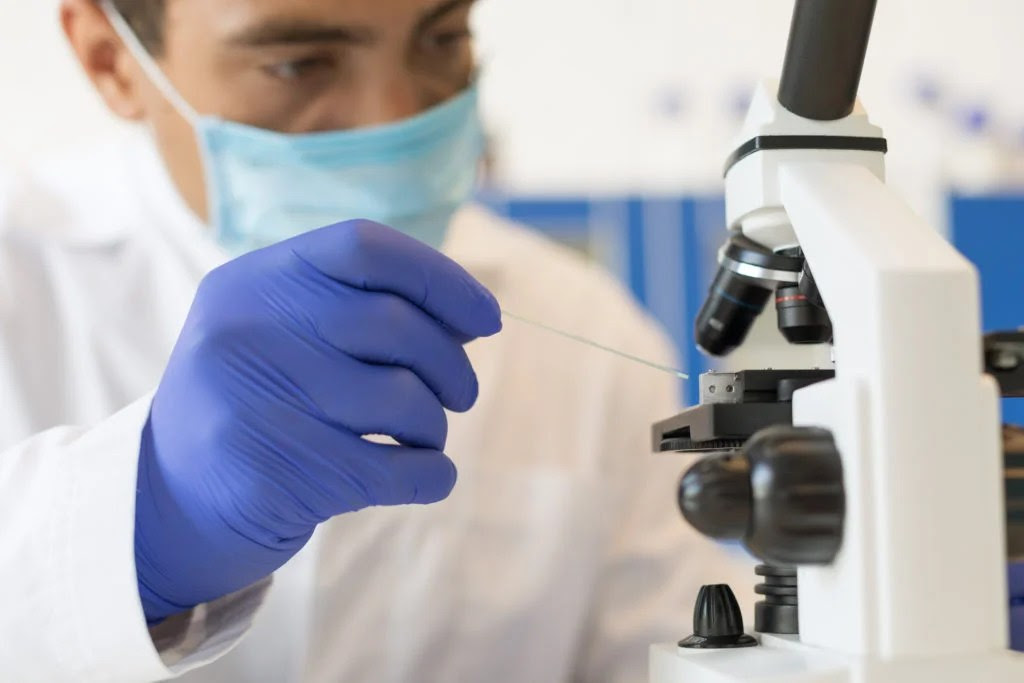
pixel 386 100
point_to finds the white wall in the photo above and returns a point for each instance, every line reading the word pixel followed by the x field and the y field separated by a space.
pixel 616 95
pixel 45 103
pixel 607 79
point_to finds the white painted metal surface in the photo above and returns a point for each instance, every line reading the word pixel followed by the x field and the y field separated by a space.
pixel 781 661
pixel 752 190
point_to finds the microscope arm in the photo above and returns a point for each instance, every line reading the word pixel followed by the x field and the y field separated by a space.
pixel 923 476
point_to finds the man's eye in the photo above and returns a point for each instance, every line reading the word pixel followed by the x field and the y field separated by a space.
pixel 298 68
pixel 448 39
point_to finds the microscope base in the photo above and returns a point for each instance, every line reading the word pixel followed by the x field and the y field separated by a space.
pixel 783 659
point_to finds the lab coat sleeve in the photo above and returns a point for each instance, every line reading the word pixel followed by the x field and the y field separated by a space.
pixel 654 563
pixel 69 602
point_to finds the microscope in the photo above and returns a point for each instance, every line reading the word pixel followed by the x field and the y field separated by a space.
pixel 872 492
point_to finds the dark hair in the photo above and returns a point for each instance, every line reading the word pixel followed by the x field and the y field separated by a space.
pixel 146 17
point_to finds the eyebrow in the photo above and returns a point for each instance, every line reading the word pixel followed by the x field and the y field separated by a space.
pixel 298 32
pixel 440 12
pixel 291 31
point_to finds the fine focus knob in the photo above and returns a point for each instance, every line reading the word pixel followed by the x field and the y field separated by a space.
pixel 798 501
pixel 717 621
pixel 715 497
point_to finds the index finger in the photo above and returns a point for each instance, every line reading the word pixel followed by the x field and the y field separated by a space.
pixel 377 258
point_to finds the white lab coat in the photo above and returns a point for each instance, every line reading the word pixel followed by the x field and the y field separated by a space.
pixel 559 557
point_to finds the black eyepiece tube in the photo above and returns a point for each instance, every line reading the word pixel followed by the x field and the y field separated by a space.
pixel 825 57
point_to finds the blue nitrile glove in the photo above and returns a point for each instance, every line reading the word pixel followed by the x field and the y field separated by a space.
pixel 289 355
pixel 1017 606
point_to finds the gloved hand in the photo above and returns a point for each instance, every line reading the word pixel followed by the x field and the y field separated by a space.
pixel 288 357
pixel 1017 606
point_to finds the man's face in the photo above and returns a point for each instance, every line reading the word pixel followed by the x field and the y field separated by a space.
pixel 298 66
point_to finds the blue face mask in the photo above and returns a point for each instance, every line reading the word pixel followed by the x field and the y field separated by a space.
pixel 264 186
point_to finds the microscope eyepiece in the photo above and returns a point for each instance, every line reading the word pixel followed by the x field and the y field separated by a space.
pixel 825 57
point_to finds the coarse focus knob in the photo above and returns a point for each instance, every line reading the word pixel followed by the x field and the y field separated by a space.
pixel 715 496
pixel 798 501
pixel 717 621
pixel 782 495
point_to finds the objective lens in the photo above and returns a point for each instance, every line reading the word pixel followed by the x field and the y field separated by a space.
pixel 801 321
pixel 732 306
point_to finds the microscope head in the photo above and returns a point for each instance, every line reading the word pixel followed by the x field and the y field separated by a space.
pixel 811 115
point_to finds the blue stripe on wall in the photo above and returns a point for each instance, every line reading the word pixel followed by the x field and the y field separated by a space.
pixel 990 232
pixel 691 263
pixel 635 241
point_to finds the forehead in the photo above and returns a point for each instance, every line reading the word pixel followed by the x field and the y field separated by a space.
pixel 225 16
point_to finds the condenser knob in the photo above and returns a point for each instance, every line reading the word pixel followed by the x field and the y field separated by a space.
pixel 717 621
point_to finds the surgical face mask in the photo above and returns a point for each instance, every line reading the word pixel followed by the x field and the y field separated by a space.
pixel 264 186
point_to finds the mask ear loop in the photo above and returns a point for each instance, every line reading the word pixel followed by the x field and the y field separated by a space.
pixel 149 66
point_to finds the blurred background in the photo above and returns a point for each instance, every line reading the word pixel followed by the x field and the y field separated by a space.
pixel 610 121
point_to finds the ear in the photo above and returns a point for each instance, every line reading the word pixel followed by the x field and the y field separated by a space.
pixel 106 61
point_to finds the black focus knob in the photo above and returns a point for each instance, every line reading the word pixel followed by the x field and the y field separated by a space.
pixel 782 495
pixel 715 497
pixel 717 621
pixel 798 503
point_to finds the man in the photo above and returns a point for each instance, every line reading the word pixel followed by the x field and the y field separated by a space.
pixel 309 383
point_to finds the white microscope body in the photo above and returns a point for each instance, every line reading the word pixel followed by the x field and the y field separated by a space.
pixel 917 592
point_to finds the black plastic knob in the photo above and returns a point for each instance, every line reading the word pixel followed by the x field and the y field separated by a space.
pixel 782 495
pixel 717 621
pixel 798 500
pixel 715 497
